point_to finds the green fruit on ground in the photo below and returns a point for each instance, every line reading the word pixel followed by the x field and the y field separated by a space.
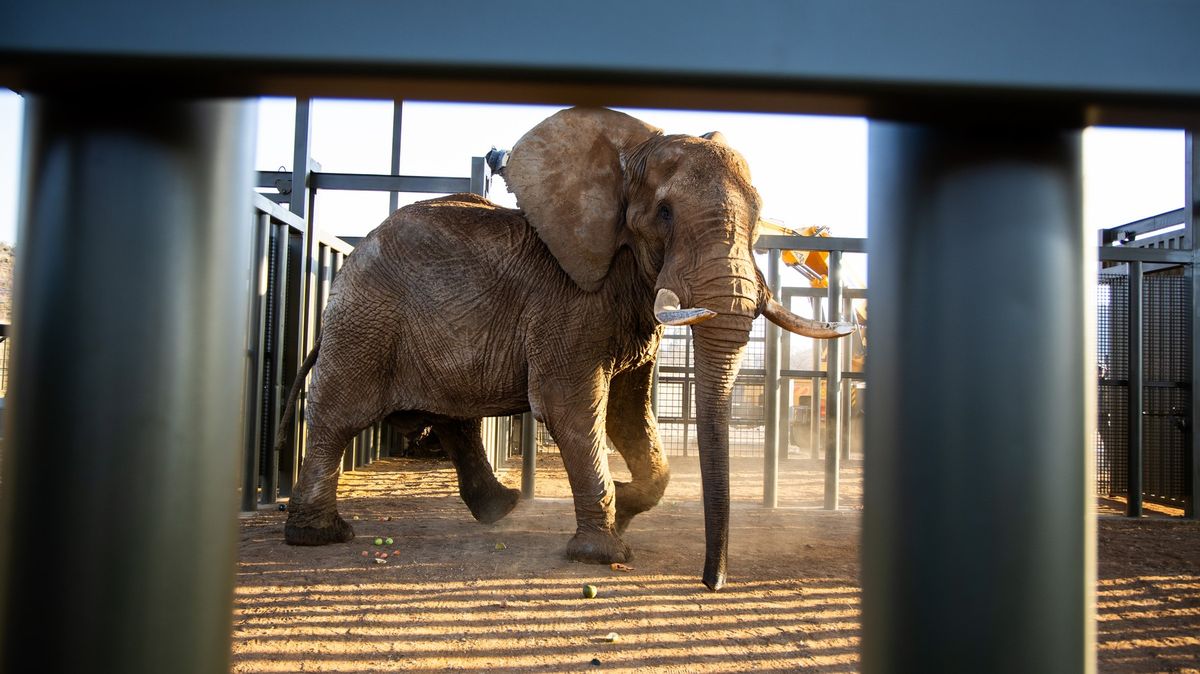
pixel 389 541
pixel 378 541
pixel 589 591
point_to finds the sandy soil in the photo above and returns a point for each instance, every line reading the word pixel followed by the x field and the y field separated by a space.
pixel 459 595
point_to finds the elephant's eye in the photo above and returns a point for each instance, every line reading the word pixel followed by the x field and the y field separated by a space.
pixel 664 213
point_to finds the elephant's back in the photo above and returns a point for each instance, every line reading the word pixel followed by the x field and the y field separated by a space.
pixel 445 286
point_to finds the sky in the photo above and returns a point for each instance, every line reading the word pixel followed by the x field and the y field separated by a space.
pixel 809 170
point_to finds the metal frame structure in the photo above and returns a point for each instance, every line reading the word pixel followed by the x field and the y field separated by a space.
pixel 966 154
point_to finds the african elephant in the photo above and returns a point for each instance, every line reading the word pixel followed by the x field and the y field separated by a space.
pixel 555 308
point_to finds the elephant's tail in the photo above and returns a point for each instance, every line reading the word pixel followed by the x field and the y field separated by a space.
pixel 289 407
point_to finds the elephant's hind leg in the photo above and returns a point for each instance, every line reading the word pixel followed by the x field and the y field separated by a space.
pixel 631 427
pixel 487 499
pixel 312 512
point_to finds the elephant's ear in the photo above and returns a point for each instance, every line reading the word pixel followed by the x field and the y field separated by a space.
pixel 567 175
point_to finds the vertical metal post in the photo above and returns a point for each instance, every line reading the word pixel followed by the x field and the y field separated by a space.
pixel 689 367
pixel 255 349
pixel 833 388
pixel 1192 204
pixel 270 485
pixel 479 176
pixel 771 394
pixel 978 537
pixel 1134 417
pixel 397 124
pixel 786 386
pixel 142 359
pixel 846 388
pixel 301 158
pixel 814 412
pixel 528 454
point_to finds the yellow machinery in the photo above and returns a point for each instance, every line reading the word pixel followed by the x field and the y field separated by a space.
pixel 814 266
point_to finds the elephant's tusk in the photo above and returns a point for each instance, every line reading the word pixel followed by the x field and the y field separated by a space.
pixel 667 311
pixel 779 315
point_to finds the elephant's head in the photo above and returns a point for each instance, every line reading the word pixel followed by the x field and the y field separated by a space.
pixel 593 180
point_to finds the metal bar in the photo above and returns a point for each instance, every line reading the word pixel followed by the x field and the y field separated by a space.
pixel 1192 203
pixel 786 392
pixel 151 449
pixel 292 353
pixel 479 176
pixel 301 158
pixel 308 335
pixel 833 388
pixel 1133 507
pixel 1127 231
pixel 278 213
pixel 1163 255
pixel 771 394
pixel 822 243
pixel 384 183
pixel 397 126
pixel 270 469
pixel 256 349
pixel 814 411
pixel 686 404
pixel 981 426
pixel 845 391
pixel 528 454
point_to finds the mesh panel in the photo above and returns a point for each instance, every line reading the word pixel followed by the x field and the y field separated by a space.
pixel 1167 335
pixel 1166 367
pixel 1112 349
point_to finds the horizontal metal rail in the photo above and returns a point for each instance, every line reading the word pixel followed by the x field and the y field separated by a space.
pixel 822 243
pixel 1163 255
pixel 369 182
pixel 1127 232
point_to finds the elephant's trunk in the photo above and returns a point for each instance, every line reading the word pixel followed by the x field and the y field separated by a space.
pixel 718 355
pixel 719 344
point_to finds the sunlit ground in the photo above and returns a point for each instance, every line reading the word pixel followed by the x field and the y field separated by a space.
pixel 459 595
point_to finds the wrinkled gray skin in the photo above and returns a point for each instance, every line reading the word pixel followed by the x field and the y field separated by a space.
pixel 455 309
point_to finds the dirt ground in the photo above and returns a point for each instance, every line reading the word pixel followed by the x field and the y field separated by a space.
pixel 463 596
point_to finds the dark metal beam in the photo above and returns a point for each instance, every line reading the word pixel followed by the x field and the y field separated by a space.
pixel 1192 204
pixel 1161 255
pixel 1136 390
pixel 978 436
pixel 1129 230
pixel 872 57
pixel 528 454
pixel 152 258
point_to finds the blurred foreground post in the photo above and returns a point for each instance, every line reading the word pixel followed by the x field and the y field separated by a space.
pixel 978 538
pixel 120 475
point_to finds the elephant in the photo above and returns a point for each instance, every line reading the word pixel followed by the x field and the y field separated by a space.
pixel 557 308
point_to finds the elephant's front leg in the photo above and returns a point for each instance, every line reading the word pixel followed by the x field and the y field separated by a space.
pixel 487 499
pixel 634 432
pixel 573 411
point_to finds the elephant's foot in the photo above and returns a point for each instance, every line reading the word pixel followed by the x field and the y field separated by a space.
pixel 632 500
pixel 598 547
pixel 493 504
pixel 337 531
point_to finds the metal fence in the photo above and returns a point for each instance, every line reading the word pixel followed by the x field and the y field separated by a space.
pixel 1165 391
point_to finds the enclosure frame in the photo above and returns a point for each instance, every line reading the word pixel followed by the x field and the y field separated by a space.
pixel 899 64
